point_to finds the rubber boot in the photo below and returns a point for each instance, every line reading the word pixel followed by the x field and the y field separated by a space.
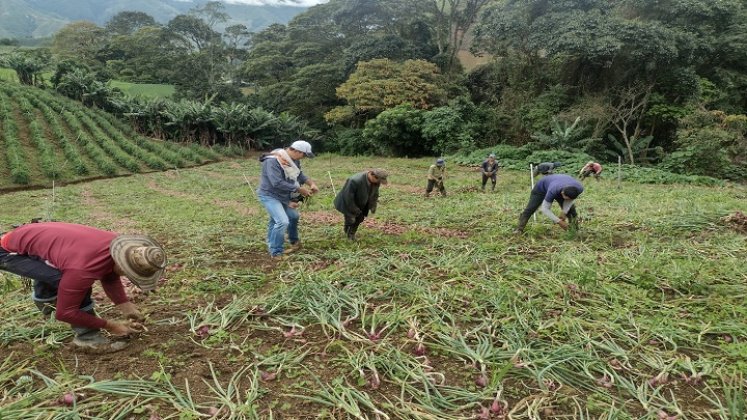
pixel 523 220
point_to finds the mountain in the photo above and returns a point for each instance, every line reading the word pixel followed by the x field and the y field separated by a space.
pixel 42 18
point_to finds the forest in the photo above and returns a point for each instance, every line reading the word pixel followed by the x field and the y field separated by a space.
pixel 660 84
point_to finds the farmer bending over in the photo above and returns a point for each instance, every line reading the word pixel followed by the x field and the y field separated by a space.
pixel 591 169
pixel 489 169
pixel 282 178
pixel 436 176
pixel 561 188
pixel 65 259
pixel 545 168
pixel 359 196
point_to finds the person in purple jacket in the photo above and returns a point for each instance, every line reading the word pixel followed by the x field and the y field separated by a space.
pixel 561 188
pixel 281 179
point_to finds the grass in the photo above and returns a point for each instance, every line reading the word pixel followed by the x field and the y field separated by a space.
pixel 437 312
pixel 149 90
pixel 8 75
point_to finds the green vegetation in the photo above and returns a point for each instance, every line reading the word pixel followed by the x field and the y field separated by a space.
pixel 599 78
pixel 146 90
pixel 47 137
pixel 437 312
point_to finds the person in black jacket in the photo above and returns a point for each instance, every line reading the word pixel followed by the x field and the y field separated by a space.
pixel 359 196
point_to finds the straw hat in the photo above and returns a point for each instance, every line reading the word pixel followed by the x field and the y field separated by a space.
pixel 141 258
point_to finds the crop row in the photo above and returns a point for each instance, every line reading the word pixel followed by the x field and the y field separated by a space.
pixel 109 144
pixel 17 164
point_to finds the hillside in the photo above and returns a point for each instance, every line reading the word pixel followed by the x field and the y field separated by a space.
pixel 42 18
pixel 45 137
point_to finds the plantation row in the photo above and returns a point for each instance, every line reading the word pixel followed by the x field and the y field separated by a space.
pixel 46 135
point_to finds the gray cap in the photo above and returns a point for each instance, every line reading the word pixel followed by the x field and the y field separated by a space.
pixel 381 175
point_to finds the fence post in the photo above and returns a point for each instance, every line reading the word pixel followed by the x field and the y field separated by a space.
pixel 531 176
pixel 619 171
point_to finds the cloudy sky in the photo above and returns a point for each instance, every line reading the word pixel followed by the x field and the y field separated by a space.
pixel 280 2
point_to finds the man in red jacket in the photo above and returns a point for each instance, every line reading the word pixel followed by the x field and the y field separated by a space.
pixel 64 260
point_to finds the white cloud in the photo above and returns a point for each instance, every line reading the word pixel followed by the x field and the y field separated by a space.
pixel 300 3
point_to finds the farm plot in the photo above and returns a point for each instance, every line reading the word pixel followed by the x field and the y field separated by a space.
pixel 437 312
pixel 46 137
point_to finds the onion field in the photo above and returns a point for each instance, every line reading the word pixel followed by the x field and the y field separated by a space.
pixel 45 137
pixel 437 312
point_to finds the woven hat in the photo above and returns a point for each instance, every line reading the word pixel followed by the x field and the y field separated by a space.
pixel 141 258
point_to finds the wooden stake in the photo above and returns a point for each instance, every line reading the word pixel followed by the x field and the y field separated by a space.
pixel 329 174
pixel 619 171
pixel 531 176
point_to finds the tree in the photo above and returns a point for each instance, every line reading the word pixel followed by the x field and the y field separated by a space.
pixel 79 41
pixel 191 33
pixel 380 84
pixel 129 22
pixel 629 107
pixel 452 20
pixel 28 64
pixel 397 131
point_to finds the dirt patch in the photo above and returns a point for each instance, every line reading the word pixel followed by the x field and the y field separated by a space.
pixel 97 212
pixel 239 207
pixel 736 221
pixel 384 226
pixel 410 189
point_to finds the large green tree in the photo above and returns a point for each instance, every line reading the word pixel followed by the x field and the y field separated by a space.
pixel 380 84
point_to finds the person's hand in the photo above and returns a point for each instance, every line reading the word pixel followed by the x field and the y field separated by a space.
pixel 294 204
pixel 563 216
pixel 119 329
pixel 314 188
pixel 563 224
pixel 304 191
pixel 129 310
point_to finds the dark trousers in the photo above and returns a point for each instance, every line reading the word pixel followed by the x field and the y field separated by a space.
pixel 535 201
pixel 485 178
pixel 352 223
pixel 46 282
pixel 432 183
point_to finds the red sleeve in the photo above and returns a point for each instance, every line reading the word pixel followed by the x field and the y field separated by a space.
pixel 72 290
pixel 113 288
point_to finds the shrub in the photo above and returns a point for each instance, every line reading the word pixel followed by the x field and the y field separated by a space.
pixel 350 142
pixel 397 131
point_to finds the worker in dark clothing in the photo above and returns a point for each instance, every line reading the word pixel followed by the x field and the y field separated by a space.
pixel 358 197
pixel 489 170
pixel 545 168
pixel 561 188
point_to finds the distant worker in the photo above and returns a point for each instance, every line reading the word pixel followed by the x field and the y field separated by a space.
pixel 64 260
pixel 436 177
pixel 489 169
pixel 561 188
pixel 546 168
pixel 591 169
pixel 358 197
pixel 282 180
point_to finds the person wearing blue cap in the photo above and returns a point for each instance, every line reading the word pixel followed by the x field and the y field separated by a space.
pixel 281 180
pixel 561 188
pixel 436 176
pixel 489 169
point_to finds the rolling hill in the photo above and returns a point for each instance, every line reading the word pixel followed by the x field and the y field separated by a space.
pixel 42 18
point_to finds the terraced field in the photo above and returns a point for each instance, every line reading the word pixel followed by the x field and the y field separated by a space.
pixel 45 137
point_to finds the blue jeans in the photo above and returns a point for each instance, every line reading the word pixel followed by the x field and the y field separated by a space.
pixel 282 218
